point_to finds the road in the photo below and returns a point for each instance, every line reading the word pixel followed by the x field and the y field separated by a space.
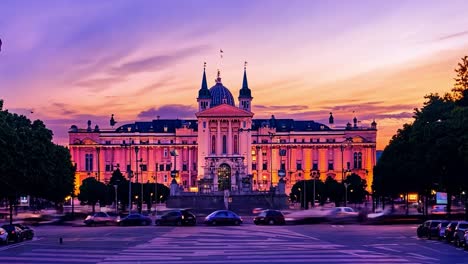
pixel 322 243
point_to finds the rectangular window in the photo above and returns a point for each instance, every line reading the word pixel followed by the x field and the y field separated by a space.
pixel 184 167
pixel 204 124
pixel 184 142
pixel 143 167
pixel 330 165
pixel 165 152
pixel 264 152
pixel 315 165
pixel 282 140
pixel 108 167
pixel 348 165
pixel 165 178
pixel 168 167
pixel 194 166
pixel 303 140
pixel 283 165
pixel 129 167
pixel 295 140
pixel 89 162
pixel 108 142
pixel 265 166
pixel 298 165
pixel 264 141
pixel 161 167
pixel 254 166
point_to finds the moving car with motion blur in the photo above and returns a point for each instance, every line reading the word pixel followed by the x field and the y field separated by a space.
pixel 134 219
pixel 100 218
pixel 223 217
pixel 14 233
pixel 3 236
pixel 270 217
pixel 176 217
pixel 28 233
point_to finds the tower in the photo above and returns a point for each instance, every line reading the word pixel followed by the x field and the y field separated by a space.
pixel 204 95
pixel 245 95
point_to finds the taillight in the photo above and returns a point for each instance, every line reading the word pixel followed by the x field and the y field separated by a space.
pixel 12 232
pixel 2 232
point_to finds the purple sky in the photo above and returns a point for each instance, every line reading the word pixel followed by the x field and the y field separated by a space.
pixel 70 61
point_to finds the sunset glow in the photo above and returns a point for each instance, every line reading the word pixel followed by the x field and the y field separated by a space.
pixel 69 61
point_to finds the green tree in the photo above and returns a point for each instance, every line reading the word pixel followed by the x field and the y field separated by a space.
pixel 356 188
pixel 333 190
pixel 92 191
pixel 118 179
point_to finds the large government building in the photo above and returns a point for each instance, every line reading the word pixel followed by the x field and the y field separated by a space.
pixel 224 148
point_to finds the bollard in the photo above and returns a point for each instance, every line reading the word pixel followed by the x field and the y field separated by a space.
pixel 61 240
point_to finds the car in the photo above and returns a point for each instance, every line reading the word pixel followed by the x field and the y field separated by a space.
pixel 439 209
pixel 223 217
pixel 449 231
pixel 134 219
pixel 176 217
pixel 466 240
pixel 270 217
pixel 429 229
pixel 28 233
pixel 3 236
pixel 100 218
pixel 14 233
pixel 459 233
pixel 340 214
pixel 441 228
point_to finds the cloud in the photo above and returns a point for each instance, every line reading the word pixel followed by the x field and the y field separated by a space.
pixel 455 35
pixel 280 107
pixel 100 84
pixel 169 111
pixel 157 62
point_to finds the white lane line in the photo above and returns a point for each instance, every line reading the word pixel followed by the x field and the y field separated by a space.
pixel 388 249
pixel 419 256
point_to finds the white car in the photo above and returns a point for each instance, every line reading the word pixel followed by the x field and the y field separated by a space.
pixel 343 214
pixel 3 236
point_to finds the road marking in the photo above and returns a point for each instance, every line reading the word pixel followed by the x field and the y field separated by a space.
pixel 19 244
pixel 388 249
pixel 419 256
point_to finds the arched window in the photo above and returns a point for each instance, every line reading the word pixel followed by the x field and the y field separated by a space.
pixel 355 163
pixel 236 145
pixel 213 144
pixel 357 160
pixel 224 144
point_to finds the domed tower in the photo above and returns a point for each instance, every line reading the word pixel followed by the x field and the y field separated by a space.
pixel 204 95
pixel 245 95
pixel 220 94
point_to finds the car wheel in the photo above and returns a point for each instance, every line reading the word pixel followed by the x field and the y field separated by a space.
pixel 179 223
pixel 271 222
pixel 214 223
pixel 236 222
pixel 456 241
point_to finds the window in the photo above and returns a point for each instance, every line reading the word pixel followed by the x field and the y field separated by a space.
pixel 168 167
pixel 236 145
pixel 143 167
pixel 282 140
pixel 89 162
pixel 165 152
pixel 264 141
pixel 311 140
pixel 184 167
pixel 109 167
pixel 298 165
pixel 194 166
pixel 213 144
pixel 315 165
pixel 108 142
pixel 264 152
pixel 265 165
pixel 348 165
pixel 165 178
pixel 283 165
pixel 244 123
pixel 330 165
pixel 224 144
pixel 254 166
pixel 204 124
pixel 303 140
pixel 184 142
pixel 129 167
pixel 161 167
pixel 172 141
pixel 357 160
pixel 295 140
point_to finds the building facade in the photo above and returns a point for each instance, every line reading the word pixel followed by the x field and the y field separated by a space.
pixel 225 148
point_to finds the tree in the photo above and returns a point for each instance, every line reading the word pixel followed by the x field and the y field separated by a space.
pixel 91 192
pixel 118 179
pixel 356 188
pixel 333 190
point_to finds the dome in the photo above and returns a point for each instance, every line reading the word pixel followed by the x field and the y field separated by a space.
pixel 221 95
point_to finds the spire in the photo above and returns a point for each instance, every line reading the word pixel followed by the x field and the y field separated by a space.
pixel 245 91
pixel 204 92
pixel 218 78
pixel 204 84
pixel 244 82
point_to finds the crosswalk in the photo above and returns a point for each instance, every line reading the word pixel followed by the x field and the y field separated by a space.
pixel 239 245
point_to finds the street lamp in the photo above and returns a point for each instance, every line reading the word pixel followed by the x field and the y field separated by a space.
pixel 271 135
pixel 137 149
pixel 116 200
pixel 346 193
pixel 155 178
pixel 314 175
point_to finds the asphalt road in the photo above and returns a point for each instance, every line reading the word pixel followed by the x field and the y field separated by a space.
pixel 321 243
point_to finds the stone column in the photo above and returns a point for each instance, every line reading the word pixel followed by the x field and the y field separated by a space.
pixel 189 166
pixel 229 138
pixel 219 139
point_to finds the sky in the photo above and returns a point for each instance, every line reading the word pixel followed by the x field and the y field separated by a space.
pixel 66 62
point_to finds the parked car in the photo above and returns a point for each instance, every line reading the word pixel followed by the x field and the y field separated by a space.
pixel 466 239
pixel 28 233
pixel 3 236
pixel 459 233
pixel 100 218
pixel 270 217
pixel 429 229
pixel 14 233
pixel 439 209
pixel 176 217
pixel 223 217
pixel 134 219
pixel 441 228
pixel 449 230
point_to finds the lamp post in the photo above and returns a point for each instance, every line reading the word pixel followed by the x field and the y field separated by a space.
pixel 140 207
pixel 346 193
pixel 116 200
pixel 314 177
pixel 271 135
pixel 155 178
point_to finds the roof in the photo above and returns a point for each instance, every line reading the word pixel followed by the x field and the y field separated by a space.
pixel 286 125
pixel 158 126
pixel 224 110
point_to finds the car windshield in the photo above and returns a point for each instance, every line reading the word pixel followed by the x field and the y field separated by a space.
pixel 434 224
pixel 463 226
